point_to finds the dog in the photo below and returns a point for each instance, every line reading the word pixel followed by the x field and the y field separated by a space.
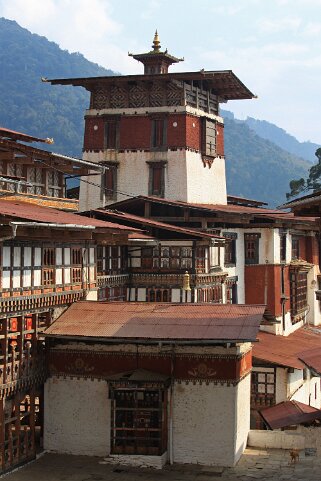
pixel 294 456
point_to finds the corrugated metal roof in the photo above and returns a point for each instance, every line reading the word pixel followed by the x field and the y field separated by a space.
pixel 12 134
pixel 286 350
pixel 32 212
pixel 289 413
pixel 312 359
pixel 156 321
pixel 154 223
pixel 226 209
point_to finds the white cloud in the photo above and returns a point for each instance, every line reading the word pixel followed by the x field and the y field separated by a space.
pixel 312 29
pixel 277 25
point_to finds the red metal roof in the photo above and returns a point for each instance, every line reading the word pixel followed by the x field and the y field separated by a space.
pixel 156 321
pixel 289 413
pixel 12 134
pixel 36 213
pixel 286 350
pixel 154 223
pixel 312 359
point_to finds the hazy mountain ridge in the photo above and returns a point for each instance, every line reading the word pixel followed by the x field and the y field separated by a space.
pixel 256 167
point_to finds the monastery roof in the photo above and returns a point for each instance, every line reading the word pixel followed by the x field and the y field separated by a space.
pixel 289 413
pixel 312 359
pixel 228 209
pixel 217 323
pixel 223 82
pixel 289 351
pixel 14 135
pixel 118 215
pixel 313 198
pixel 37 213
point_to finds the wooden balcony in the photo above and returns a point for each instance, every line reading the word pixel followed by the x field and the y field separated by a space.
pixel 112 280
pixel 176 280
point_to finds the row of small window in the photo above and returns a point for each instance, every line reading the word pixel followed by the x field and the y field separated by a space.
pixel 44 181
pixel 111 260
pixel 251 248
pixel 159 135
pixel 173 258
pixel 18 256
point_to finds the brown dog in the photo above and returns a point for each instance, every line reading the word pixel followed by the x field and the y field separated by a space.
pixel 294 455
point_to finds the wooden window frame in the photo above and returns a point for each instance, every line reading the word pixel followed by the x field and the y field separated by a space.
pixel 111 134
pixel 158 133
pixel 295 247
pixel 209 137
pixel 260 387
pixel 298 294
pixel 230 248
pixel 251 248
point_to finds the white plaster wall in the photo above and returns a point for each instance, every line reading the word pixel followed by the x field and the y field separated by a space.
pixel 186 178
pixel 281 388
pixel 205 185
pixel 204 424
pixel 242 425
pixel 238 269
pixel 176 295
pixel 313 316
pixel 77 416
pixel 276 439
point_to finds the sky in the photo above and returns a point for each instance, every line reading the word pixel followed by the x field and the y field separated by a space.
pixel 273 46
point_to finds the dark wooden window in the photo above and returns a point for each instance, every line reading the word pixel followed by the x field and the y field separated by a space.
pixel 158 295
pixel 76 262
pixel 112 134
pixel 138 421
pixel 295 247
pixel 48 262
pixel 200 260
pixel 231 293
pixel 165 257
pixel 158 133
pixel 251 248
pixel 283 246
pixel 298 294
pixel 263 388
pixel 230 248
pixel 109 184
pixel 209 137
pixel 157 179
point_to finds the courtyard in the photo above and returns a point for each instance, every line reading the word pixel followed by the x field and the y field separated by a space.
pixel 267 465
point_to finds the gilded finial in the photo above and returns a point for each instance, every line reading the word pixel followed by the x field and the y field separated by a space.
pixel 156 43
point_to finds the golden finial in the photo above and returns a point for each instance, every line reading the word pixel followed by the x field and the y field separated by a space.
pixel 156 43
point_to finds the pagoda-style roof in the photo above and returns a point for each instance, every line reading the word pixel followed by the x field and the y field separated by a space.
pixel 223 83
pixel 156 61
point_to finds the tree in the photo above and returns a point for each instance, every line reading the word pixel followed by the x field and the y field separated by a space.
pixel 313 182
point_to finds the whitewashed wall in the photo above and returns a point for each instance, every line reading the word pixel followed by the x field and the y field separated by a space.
pixel 77 416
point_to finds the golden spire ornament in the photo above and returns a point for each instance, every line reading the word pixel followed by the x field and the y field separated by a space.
pixel 156 43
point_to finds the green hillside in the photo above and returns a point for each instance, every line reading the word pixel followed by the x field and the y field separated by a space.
pixel 30 106
pixel 256 168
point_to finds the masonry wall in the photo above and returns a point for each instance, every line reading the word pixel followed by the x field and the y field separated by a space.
pixel 77 416
pixel 206 418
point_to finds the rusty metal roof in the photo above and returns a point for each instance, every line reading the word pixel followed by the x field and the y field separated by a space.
pixel 157 321
pixel 12 134
pixel 286 350
pixel 289 413
pixel 312 359
pixel 37 213
pixel 154 223
pixel 221 208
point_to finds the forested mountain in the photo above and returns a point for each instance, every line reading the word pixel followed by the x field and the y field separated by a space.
pixel 31 106
pixel 280 137
pixel 256 168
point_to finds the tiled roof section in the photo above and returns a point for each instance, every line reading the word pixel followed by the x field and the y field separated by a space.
pixel 154 223
pixel 312 359
pixel 289 413
pixel 12 134
pixel 222 208
pixel 234 199
pixel 36 213
pixel 286 351
pixel 156 321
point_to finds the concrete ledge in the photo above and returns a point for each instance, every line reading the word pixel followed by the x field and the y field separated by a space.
pixel 276 439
